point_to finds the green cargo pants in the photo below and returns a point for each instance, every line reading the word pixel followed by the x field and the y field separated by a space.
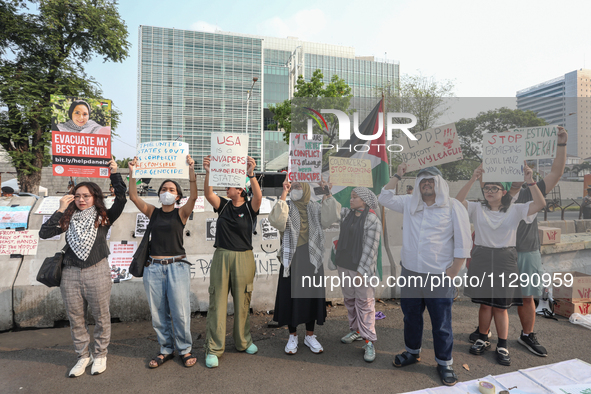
pixel 230 271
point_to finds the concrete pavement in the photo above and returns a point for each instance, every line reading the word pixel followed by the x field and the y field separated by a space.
pixel 38 361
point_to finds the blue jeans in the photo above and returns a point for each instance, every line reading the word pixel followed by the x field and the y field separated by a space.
pixel 168 291
pixel 413 302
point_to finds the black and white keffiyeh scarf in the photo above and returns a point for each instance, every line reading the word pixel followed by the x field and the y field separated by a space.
pixel 292 232
pixel 82 232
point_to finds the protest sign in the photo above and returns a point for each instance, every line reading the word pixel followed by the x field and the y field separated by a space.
pixel 228 160
pixel 502 157
pixel 141 224
pixel 210 226
pixel 120 259
pixel 540 142
pixel 81 136
pixel 305 158
pixel 48 205
pixel 350 172
pixel 433 147
pixel 19 242
pixel 269 232
pixel 14 217
pixel 162 159
pixel 265 206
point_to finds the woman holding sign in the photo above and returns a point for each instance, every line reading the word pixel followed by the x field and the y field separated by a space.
pixel 86 275
pixel 233 266
pixel 167 277
pixel 300 223
pixel 494 258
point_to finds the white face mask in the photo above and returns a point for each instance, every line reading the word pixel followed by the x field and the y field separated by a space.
pixel 296 195
pixel 167 198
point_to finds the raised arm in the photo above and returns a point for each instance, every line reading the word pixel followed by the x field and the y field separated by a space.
pixel 210 196
pixel 400 171
pixel 539 200
pixel 143 206
pixel 257 194
pixel 187 209
pixel 463 193
pixel 116 209
pixel 559 162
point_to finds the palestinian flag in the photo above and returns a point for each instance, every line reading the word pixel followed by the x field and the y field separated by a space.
pixel 379 161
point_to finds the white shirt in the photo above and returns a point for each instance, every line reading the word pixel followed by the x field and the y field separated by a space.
pixel 433 236
pixel 496 229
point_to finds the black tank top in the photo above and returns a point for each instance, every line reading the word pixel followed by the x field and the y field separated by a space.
pixel 167 233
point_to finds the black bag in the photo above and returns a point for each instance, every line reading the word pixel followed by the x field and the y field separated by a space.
pixel 50 273
pixel 140 257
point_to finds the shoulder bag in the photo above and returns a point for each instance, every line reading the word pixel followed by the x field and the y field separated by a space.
pixel 50 273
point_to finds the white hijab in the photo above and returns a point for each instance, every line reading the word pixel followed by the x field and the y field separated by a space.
pixel 441 193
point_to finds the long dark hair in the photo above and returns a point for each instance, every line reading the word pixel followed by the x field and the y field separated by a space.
pixel 99 203
pixel 179 189
pixel 505 200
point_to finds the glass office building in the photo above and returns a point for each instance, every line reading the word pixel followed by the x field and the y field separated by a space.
pixel 194 83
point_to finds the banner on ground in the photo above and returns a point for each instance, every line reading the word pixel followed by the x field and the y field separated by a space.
pixel 14 217
pixel 162 159
pixel 433 147
pixel 19 242
pixel 503 155
pixel 346 171
pixel 228 160
pixel 305 158
pixel 540 142
pixel 80 136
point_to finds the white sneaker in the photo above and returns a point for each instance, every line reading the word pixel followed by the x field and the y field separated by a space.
pixel 313 344
pixel 292 344
pixel 99 365
pixel 80 366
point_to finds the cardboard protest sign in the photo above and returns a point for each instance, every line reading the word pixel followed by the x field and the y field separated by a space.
pixel 48 205
pixel 540 142
pixel 19 242
pixel 120 259
pixel 199 203
pixel 228 160
pixel 80 137
pixel 350 172
pixel 141 224
pixel 162 159
pixel 305 158
pixel 14 217
pixel 433 147
pixel 502 157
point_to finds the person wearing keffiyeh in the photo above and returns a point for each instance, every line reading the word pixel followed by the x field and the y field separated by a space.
pixel 357 254
pixel 79 122
pixel 300 222
pixel 86 276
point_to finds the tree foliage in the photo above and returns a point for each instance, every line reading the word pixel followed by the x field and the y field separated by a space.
pixel 42 53
pixel 335 95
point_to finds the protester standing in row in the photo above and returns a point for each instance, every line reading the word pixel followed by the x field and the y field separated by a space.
pixel 86 275
pixel 435 242
pixel 233 266
pixel 357 256
pixel 495 227
pixel 167 278
pixel 300 222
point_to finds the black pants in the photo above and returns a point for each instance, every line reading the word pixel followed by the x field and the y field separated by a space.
pixel 309 327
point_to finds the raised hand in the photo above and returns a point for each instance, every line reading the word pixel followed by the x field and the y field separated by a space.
pixel 528 173
pixel 401 169
pixel 113 165
pixel 562 135
pixel 65 202
pixel 206 163
pixel 478 172
pixel 251 164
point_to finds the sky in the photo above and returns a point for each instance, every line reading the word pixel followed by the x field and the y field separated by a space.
pixel 488 49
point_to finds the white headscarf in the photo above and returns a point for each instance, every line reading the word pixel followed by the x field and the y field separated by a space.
pixel 441 193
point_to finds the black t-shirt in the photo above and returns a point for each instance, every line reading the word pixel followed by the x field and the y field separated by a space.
pixel 167 233
pixel 346 257
pixel 234 226
pixel 528 239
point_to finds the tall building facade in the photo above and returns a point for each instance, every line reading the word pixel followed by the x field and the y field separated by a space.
pixel 565 101
pixel 193 83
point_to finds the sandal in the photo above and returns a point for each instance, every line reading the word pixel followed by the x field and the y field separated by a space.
pixel 161 359
pixel 405 358
pixel 447 375
pixel 186 358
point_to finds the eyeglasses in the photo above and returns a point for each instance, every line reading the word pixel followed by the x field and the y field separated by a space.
pixel 86 197
pixel 429 180
pixel 493 189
